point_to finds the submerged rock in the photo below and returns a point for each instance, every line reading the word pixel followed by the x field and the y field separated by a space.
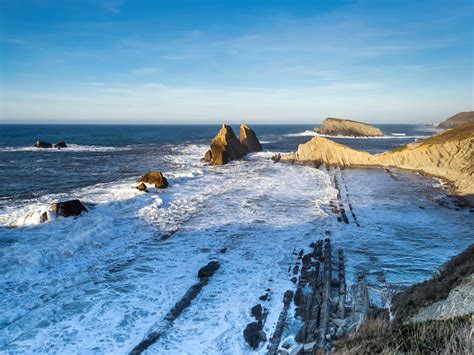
pixel 61 144
pixel 68 208
pixel 225 147
pixel 141 187
pixel 343 127
pixel 41 144
pixel 249 139
pixel 209 269
pixel 154 177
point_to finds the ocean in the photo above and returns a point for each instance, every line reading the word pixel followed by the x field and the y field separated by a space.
pixel 100 282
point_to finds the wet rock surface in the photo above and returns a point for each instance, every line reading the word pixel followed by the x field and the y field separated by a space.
pixel 68 208
pixel 154 177
pixel 209 269
pixel 41 144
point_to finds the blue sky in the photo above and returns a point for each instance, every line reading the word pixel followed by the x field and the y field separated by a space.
pixel 255 61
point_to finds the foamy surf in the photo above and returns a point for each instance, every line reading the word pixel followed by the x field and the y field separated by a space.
pixel 70 148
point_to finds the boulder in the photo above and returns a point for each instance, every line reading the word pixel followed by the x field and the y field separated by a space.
pixel 209 269
pixel 61 144
pixel 225 147
pixel 68 208
pixel 251 334
pixel 249 139
pixel 154 177
pixel 41 144
pixel 141 187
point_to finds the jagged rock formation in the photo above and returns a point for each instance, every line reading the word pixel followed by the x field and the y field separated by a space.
pixel 457 120
pixel 154 177
pixel 225 146
pixel 249 139
pixel 342 127
pixel 448 155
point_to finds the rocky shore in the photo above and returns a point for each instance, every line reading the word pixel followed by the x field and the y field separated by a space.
pixel 344 127
pixel 434 316
pixel 448 155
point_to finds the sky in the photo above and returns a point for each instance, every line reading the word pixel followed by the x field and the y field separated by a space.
pixel 190 61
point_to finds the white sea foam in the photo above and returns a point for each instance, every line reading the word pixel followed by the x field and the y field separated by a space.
pixel 309 133
pixel 70 148
pixel 100 282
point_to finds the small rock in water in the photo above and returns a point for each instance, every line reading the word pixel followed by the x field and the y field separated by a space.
pixel 251 334
pixel 141 187
pixel 263 297
pixel 41 144
pixel 223 250
pixel 61 144
pixel 286 345
pixel 294 279
pixel 209 269
pixel 155 177
pixel 257 312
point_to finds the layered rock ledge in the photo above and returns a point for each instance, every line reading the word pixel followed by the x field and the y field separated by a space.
pixel 343 127
pixel 448 155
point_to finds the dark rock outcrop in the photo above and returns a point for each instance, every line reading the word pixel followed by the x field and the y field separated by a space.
pixel 155 177
pixel 68 208
pixel 252 334
pixel 41 144
pixel 249 139
pixel 209 269
pixel 61 144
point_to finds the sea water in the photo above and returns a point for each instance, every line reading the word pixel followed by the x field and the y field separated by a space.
pixel 100 282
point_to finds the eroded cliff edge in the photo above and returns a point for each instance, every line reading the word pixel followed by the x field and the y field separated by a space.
pixel 448 155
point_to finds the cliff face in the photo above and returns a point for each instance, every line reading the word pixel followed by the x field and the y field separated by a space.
pixel 448 155
pixel 457 120
pixel 342 127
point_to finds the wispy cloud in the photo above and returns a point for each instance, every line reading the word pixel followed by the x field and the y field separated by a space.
pixel 112 6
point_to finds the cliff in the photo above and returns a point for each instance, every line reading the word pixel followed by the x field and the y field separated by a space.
pixel 448 155
pixel 457 120
pixel 343 127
